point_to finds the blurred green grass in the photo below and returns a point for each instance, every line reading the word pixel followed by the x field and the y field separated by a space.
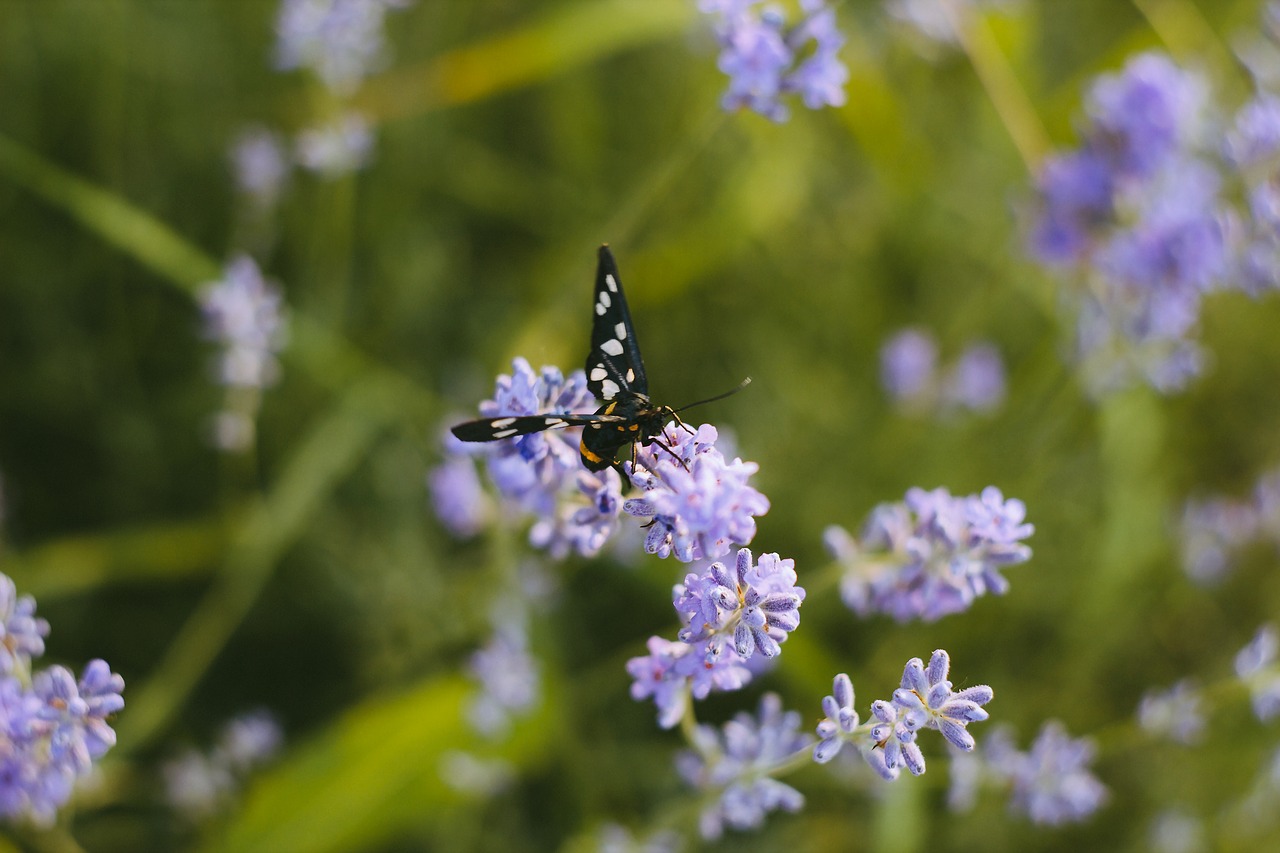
pixel 512 139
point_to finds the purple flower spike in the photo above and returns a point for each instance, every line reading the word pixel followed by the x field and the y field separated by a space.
pixel 928 701
pixel 698 503
pixel 765 61
pixel 736 761
pixel 22 633
pixel 1052 783
pixel 894 737
pixel 841 721
pixel 1255 665
pixel 672 672
pixel 931 555
pixel 752 607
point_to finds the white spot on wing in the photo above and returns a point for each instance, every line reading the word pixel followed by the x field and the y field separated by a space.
pixel 612 285
pixel 556 423
pixel 609 388
pixel 504 433
pixel 604 299
pixel 599 309
pixel 502 422
pixel 621 331
pixel 631 375
pixel 611 347
pixel 598 372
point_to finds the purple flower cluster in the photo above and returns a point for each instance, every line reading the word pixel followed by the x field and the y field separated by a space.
pixel 1051 783
pixel 245 314
pixel 910 375
pixel 341 41
pixel 698 504
pixel 1176 713
pixel 766 61
pixel 260 165
pixel 887 741
pixel 752 607
pixel 53 727
pixel 735 763
pixel 674 672
pixel 1214 527
pixel 728 616
pixel 199 784
pixel 338 148
pixel 1255 665
pixel 506 671
pixel 540 474
pixel 1137 217
pixel 932 554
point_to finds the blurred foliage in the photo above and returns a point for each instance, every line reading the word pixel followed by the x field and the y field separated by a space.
pixel 512 138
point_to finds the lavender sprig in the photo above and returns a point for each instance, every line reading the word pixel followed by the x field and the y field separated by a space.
pixel 887 740
pixel 735 764
pixel 932 554
pixel 766 61
pixel 698 504
pixel 752 607
pixel 53 726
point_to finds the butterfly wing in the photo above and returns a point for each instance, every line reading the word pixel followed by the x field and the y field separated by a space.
pixel 613 364
pixel 494 429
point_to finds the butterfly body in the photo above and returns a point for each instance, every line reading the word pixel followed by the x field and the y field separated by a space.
pixel 637 420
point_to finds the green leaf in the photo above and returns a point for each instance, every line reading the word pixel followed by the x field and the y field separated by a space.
pixel 374 776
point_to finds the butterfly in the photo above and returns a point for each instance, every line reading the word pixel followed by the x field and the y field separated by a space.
pixel 615 374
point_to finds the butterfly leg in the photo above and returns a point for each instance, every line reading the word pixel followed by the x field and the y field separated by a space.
pixel 683 425
pixel 674 455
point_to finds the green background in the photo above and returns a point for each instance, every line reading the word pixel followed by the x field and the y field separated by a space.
pixel 512 138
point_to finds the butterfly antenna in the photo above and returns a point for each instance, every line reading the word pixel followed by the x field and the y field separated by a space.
pixel 743 384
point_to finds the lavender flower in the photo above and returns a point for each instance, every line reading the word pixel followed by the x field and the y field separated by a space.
pixel 22 633
pixel 53 732
pixel 887 741
pixel 616 839
pixel 586 524
pixel 910 374
pixel 673 672
pixel 459 500
pixel 840 723
pixel 260 166
pixel 337 148
pixel 1255 665
pixel 1211 529
pixel 1136 217
pixel 894 742
pixel 508 675
pixel 976 382
pixel 244 312
pixel 931 555
pixel 198 785
pixel 698 503
pixel 342 41
pixel 765 61
pixel 753 607
pixel 736 761
pixel 574 510
pixel 1176 713
pixel 908 365
pixel 928 701
pixel 1052 783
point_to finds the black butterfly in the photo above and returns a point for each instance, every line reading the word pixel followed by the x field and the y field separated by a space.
pixel 615 374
